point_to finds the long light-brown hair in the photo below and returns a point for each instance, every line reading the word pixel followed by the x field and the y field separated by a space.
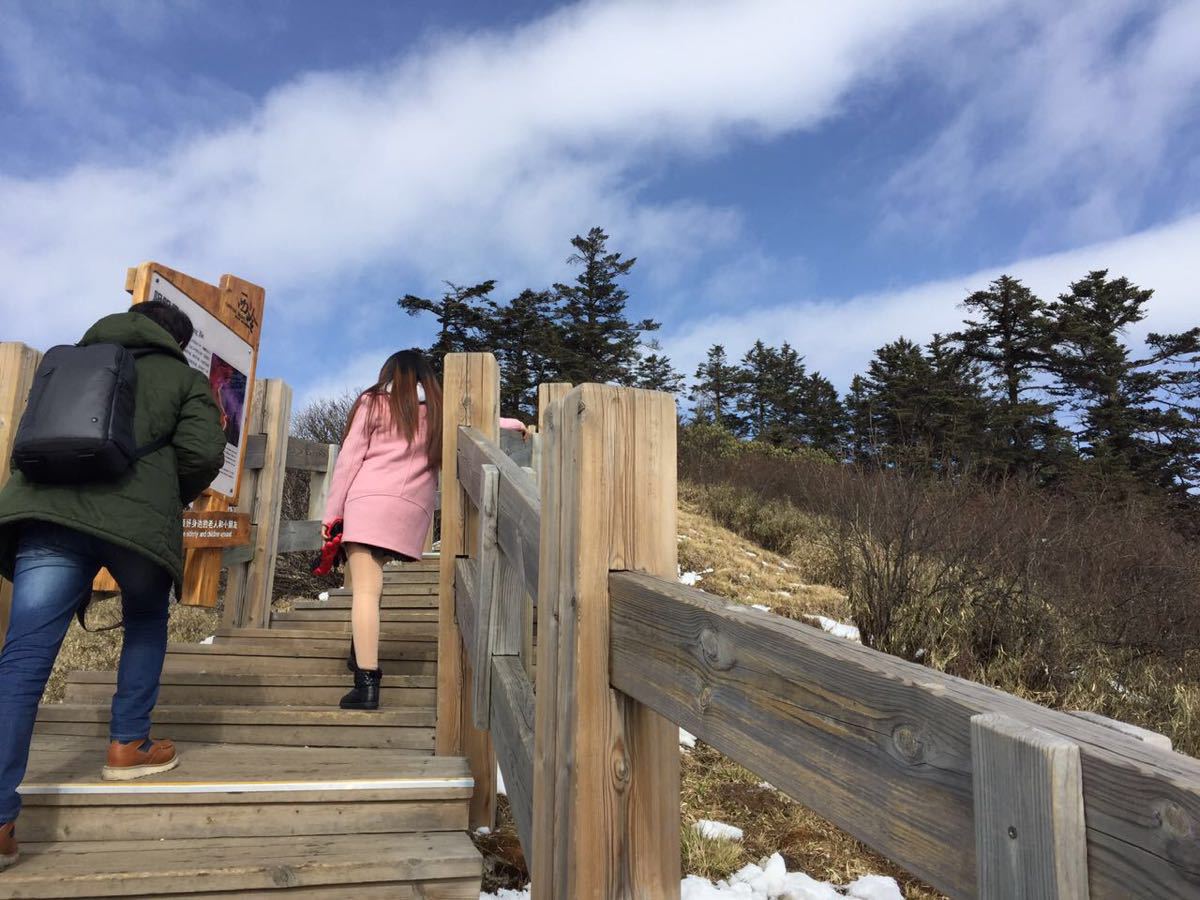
pixel 398 380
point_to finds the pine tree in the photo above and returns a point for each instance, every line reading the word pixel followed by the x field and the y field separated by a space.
pixel 526 339
pixel 1007 335
pixel 715 391
pixel 599 344
pixel 1135 416
pixel 896 393
pixel 958 430
pixel 654 371
pixel 861 436
pixel 825 425
pixel 758 396
pixel 461 314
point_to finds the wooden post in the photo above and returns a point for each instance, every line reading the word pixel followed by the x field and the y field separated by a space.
pixel 1030 839
pixel 606 785
pixel 548 395
pixel 248 590
pixel 17 366
pixel 471 388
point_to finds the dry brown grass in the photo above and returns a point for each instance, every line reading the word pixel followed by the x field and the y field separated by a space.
pixel 100 651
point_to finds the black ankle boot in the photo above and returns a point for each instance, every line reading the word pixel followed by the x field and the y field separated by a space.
pixel 366 690
pixel 351 660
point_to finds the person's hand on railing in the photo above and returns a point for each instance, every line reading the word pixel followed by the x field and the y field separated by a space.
pixel 515 425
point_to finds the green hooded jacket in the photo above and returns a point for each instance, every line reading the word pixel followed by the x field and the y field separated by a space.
pixel 143 509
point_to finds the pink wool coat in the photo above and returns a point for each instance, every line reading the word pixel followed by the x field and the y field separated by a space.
pixel 383 486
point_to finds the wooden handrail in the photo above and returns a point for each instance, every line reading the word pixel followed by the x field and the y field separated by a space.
pixel 881 746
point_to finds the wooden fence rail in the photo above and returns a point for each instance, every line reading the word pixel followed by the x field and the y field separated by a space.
pixel 976 791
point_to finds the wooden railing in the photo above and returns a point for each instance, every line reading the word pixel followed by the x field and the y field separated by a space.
pixel 972 789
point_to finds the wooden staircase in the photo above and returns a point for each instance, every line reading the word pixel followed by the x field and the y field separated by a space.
pixel 274 795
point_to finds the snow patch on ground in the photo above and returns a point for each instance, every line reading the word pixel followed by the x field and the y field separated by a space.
pixel 209 639
pixel 718 831
pixel 500 788
pixel 837 629
pixel 687 740
pixel 483 831
pixel 769 881
pixel 772 881
pixel 323 596
pixel 760 607
pixel 691 579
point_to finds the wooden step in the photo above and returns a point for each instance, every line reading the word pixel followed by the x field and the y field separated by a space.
pixel 313 639
pixel 233 660
pixel 441 865
pixel 221 790
pixel 397 728
pixel 388 602
pixel 328 612
pixel 395 590
pixel 226 689
pixel 338 622
pixel 411 576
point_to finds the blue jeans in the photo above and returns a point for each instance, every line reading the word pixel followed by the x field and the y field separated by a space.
pixel 54 572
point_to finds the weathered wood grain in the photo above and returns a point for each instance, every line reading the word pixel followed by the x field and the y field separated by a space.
pixel 488 582
pixel 846 731
pixel 616 764
pixel 466 603
pixel 299 534
pixel 512 732
pixel 518 514
pixel 1145 735
pixel 1030 840
pixel 471 391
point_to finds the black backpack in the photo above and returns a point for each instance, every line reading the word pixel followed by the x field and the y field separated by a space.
pixel 78 425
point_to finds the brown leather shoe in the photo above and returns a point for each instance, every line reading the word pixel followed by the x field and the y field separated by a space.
pixel 9 851
pixel 137 759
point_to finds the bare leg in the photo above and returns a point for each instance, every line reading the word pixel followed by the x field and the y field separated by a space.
pixel 366 576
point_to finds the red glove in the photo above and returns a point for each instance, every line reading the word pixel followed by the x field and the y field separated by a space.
pixel 331 551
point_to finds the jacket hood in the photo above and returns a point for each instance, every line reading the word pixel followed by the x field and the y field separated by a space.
pixel 132 331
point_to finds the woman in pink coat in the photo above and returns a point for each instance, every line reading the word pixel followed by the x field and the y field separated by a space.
pixel 384 490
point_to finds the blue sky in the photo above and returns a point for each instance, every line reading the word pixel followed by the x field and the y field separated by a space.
pixel 832 175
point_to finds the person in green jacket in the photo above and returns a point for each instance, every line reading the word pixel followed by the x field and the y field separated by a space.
pixel 55 538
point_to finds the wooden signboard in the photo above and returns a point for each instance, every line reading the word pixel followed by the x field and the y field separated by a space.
pixel 206 530
pixel 228 322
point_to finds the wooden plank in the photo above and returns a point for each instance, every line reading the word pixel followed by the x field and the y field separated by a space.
pixel 1030 840
pixel 296 535
pixel 852 733
pixel 319 483
pixel 487 584
pixel 163 868
pixel 544 841
pixel 1145 735
pixel 256 451
pixel 260 573
pixel 519 513
pixel 236 607
pixel 615 467
pixel 513 715
pixel 18 364
pixel 307 456
pixel 471 391
pixel 466 603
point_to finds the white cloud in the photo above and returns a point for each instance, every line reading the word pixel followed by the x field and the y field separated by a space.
pixel 479 152
pixel 1070 107
pixel 838 337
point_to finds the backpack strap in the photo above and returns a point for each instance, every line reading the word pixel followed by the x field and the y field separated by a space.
pixel 154 446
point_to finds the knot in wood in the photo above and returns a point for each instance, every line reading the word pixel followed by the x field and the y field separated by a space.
pixel 704 698
pixel 284 876
pixel 718 654
pixel 620 766
pixel 909 743
pixel 1176 821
